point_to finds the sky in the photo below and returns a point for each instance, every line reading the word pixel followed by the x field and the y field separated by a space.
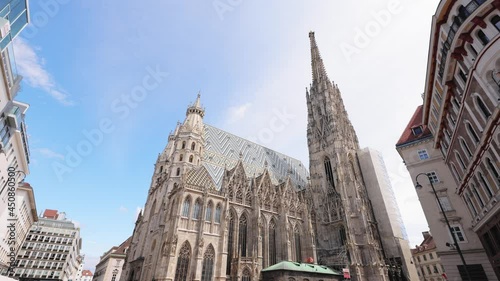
pixel 108 80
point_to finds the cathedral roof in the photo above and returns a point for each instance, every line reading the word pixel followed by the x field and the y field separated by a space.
pixel 222 150
pixel 301 267
pixel 200 177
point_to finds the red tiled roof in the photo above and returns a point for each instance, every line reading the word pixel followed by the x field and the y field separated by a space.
pixel 121 249
pixel 427 244
pixel 50 214
pixel 415 121
pixel 87 273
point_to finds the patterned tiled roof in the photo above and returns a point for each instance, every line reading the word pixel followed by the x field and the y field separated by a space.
pixel 200 177
pixel 223 150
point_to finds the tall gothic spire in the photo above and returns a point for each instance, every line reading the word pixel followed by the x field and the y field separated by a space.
pixel 318 69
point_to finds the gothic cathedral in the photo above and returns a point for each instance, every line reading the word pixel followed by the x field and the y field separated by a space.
pixel 223 208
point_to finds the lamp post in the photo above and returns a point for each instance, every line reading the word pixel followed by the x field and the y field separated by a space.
pixel 419 186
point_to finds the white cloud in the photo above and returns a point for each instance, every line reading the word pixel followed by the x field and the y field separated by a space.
pixel 32 68
pixel 46 152
pixel 123 209
pixel 236 113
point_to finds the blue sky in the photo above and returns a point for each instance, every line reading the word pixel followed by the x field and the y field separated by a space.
pixel 82 60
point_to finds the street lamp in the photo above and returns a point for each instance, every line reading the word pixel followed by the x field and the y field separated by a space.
pixel 419 186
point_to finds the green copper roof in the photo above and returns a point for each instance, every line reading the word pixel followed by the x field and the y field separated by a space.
pixel 302 267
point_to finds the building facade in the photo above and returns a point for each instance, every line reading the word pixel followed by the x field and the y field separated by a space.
pixel 111 263
pixel 461 109
pixel 427 261
pixel 51 250
pixel 221 207
pixel 14 152
pixel 416 147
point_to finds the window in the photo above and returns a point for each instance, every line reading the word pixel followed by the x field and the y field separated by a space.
pixel 496 22
pixel 478 197
pixel 230 240
pixel 457 231
pixel 242 236
pixel 418 259
pixel 181 272
pixel 197 210
pixel 472 208
pixel 445 203
pixel 329 172
pixel 482 107
pixel 459 158
pixel 483 38
pixel 298 248
pixel 246 275
pixel 429 270
pixel 217 213
pixel 417 130
pixel 493 169
pixel 208 214
pixel 472 133
pixel 422 154
pixel 272 243
pixel 208 264
pixel 115 272
pixel 183 144
pixel 178 171
pixel 485 184
pixel 425 257
pixel 185 207
pixel 431 256
pixel 465 147
pixel 181 157
pixel 190 158
pixel 433 177
pixel 193 146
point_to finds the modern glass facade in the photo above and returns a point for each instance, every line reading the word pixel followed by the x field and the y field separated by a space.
pixel 14 17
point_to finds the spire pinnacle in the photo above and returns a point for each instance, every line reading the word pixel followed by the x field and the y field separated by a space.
pixel 198 103
pixel 318 69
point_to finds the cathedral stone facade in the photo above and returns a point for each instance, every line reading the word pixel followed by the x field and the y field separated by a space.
pixel 223 208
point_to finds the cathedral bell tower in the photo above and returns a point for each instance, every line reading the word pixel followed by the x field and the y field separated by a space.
pixel 346 232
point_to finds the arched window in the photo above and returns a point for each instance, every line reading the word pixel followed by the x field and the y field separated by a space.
pixel 298 248
pixel 276 204
pixel 186 206
pixel 181 157
pixel 472 133
pixel 483 38
pixel 153 210
pixel 329 172
pixel 191 158
pixel 248 198
pixel 230 241
pixel 468 201
pixel 263 241
pixel 178 171
pixel 465 147
pixel 218 210
pixel 247 276
pixel 462 14
pixel 478 196
pixel 197 210
pixel 161 169
pixel 496 22
pixel 181 272
pixel 455 172
pixel 183 144
pixel 193 146
pixel 242 236
pixel 482 107
pixel 239 196
pixel 485 184
pixel 493 169
pixel 208 214
pixel 460 160
pixel 208 264
pixel 272 243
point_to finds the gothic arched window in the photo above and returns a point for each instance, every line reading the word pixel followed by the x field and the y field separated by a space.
pixel 208 264
pixel 183 144
pixel 472 133
pixel 208 214
pixel 181 157
pixel 230 240
pixel 242 236
pixel 482 107
pixel 460 160
pixel 329 172
pixel 239 196
pixel 178 171
pixel 298 248
pixel 247 276
pixel 272 243
pixel 197 210
pixel 478 196
pixel 493 169
pixel 248 198
pixel 191 158
pixel 193 146
pixel 465 147
pixel 218 211
pixel 186 206
pixel 485 184
pixel 181 272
